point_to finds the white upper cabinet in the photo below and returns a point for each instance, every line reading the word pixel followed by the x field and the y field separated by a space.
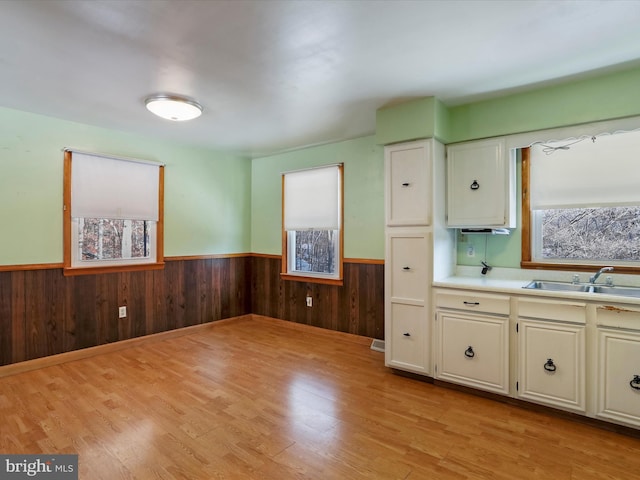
pixel 408 180
pixel 481 185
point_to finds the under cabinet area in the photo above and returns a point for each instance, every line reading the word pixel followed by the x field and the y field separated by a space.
pixel 473 340
pixel 551 353
pixel 481 185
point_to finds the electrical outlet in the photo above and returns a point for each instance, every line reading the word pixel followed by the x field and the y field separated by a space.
pixel 471 251
pixel 309 301
pixel 122 312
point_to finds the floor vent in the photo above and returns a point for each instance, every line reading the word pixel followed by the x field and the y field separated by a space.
pixel 377 345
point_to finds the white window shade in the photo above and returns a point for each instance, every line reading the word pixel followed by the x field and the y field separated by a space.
pixel 104 187
pixel 587 174
pixel 312 199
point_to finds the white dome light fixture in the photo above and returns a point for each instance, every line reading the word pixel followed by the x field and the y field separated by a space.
pixel 173 107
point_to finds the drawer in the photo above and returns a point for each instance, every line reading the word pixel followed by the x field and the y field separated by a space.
pixel 618 316
pixel 471 301
pixel 573 312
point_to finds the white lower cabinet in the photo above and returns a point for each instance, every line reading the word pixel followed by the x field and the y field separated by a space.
pixel 619 375
pixel 407 348
pixel 473 349
pixel 407 306
pixel 551 364
pixel 574 355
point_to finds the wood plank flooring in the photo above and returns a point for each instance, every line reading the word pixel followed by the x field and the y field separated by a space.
pixel 258 398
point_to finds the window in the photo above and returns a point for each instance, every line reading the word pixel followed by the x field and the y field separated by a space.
pixel 312 225
pixel 583 206
pixel 113 214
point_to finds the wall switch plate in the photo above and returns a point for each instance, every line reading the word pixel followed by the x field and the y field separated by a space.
pixel 471 251
pixel 122 312
pixel 309 301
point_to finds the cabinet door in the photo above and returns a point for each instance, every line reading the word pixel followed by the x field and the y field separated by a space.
pixel 551 364
pixel 408 180
pixel 407 305
pixel 407 347
pixel 619 376
pixel 473 350
pixel 408 265
pixel 480 188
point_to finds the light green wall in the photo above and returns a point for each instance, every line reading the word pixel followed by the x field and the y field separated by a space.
pixel 207 193
pixel 222 203
pixel 406 121
pixel 601 98
pixel 363 195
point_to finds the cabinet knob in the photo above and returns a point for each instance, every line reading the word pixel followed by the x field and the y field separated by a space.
pixel 469 353
pixel 550 366
pixel 406 334
pixel 406 184
pixel 635 383
pixel 475 185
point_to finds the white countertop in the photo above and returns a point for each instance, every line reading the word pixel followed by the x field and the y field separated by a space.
pixel 511 281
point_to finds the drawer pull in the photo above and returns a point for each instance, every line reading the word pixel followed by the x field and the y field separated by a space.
pixel 406 184
pixel 475 185
pixel 406 334
pixel 635 383
pixel 471 304
pixel 406 269
pixel 469 353
pixel 550 366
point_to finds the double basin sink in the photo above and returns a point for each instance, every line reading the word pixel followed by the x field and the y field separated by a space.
pixel 583 287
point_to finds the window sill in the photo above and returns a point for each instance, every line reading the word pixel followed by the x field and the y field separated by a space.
pixel 301 278
pixel 71 271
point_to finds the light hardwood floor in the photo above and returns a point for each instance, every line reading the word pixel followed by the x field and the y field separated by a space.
pixel 258 398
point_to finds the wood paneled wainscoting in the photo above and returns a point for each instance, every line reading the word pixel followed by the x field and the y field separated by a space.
pixel 44 313
pixel 355 307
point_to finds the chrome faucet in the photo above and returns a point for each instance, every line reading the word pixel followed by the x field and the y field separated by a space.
pixel 593 278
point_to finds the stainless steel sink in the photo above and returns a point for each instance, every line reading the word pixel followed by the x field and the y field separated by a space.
pixel 558 286
pixel 613 290
pixel 583 287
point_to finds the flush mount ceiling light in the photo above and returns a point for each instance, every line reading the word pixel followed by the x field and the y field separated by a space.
pixel 173 107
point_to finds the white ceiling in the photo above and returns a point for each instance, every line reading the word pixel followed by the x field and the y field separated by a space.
pixel 275 75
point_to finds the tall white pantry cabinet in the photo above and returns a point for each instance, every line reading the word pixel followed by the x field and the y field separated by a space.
pixel 415 234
